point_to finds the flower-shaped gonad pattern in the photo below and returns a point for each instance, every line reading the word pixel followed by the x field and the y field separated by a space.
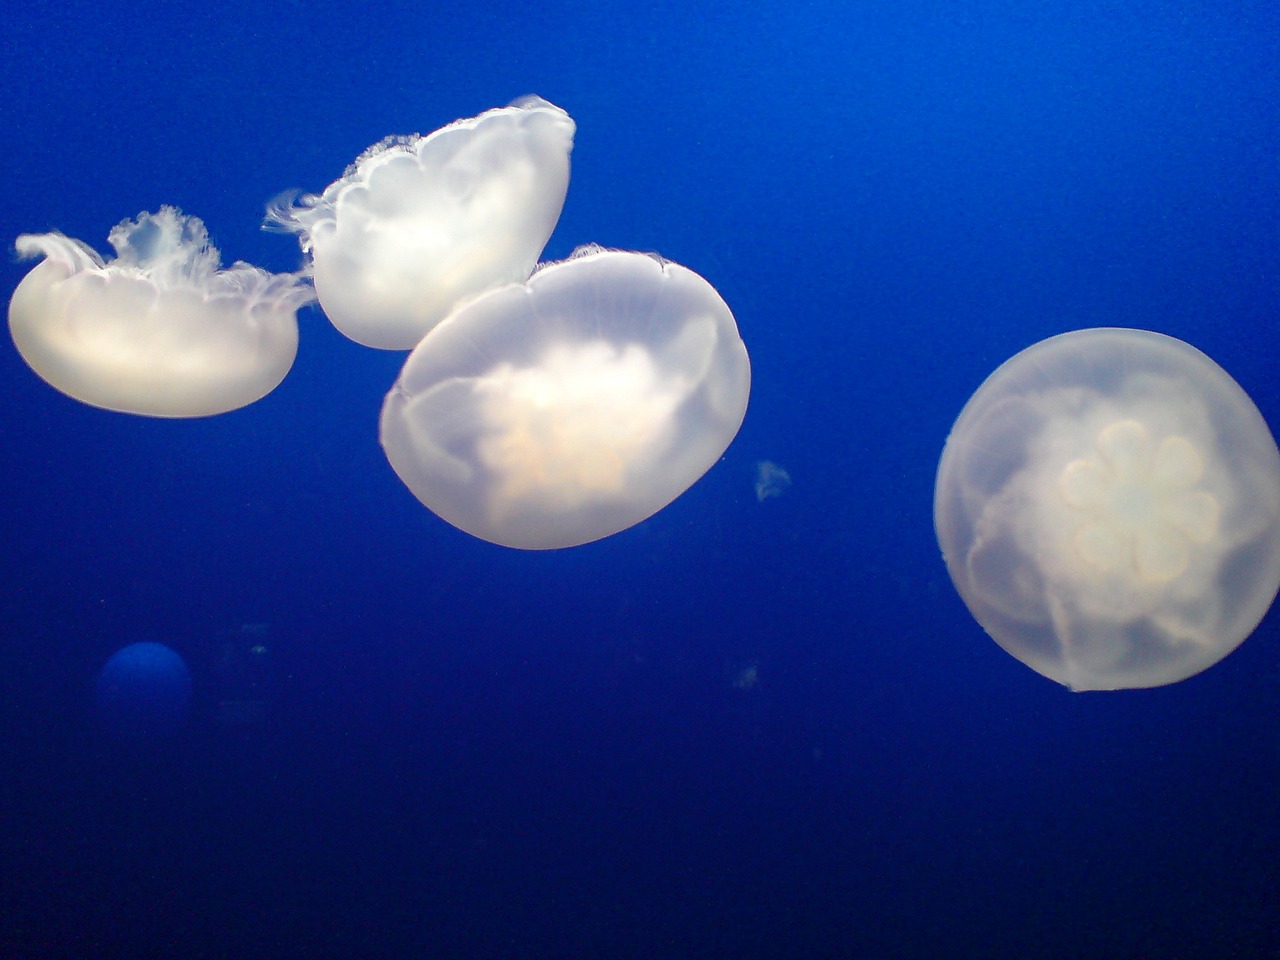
pixel 1140 507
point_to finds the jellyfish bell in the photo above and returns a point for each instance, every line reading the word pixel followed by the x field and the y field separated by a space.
pixel 1108 507
pixel 558 411
pixel 160 330
pixel 144 691
pixel 419 223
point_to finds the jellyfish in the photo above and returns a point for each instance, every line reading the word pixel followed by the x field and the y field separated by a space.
pixel 744 676
pixel 771 480
pixel 143 690
pixel 555 412
pixel 160 330
pixel 418 224
pixel 1108 507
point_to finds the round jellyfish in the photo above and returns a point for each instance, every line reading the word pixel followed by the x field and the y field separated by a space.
pixel 419 223
pixel 144 690
pixel 558 411
pixel 1108 507
pixel 160 330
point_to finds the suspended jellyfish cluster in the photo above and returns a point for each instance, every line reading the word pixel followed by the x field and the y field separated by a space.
pixel 1107 504
pixel 541 406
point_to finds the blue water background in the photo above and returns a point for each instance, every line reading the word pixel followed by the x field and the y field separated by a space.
pixel 444 748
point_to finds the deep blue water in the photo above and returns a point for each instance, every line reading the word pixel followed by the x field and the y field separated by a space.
pixel 444 748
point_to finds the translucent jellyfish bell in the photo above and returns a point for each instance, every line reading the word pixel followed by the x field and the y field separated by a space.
pixel 418 224
pixel 562 410
pixel 144 691
pixel 1108 506
pixel 160 330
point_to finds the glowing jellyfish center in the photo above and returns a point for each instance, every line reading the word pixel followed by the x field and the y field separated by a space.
pixel 1142 509
pixel 567 428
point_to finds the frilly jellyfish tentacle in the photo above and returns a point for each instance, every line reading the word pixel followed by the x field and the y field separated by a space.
pixel 160 330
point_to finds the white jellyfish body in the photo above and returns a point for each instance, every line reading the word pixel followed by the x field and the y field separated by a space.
pixel 418 224
pixel 1108 506
pixel 160 330
pixel 562 410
